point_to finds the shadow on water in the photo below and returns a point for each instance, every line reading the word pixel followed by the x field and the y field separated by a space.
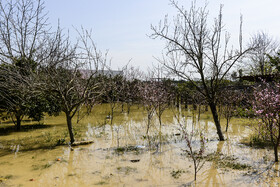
pixel 4 152
pixel 11 122
pixel 6 130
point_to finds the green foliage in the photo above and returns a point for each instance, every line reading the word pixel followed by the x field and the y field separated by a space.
pixel 244 112
pixel 274 61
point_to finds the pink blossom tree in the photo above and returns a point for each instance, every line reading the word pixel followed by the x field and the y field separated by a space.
pixel 266 106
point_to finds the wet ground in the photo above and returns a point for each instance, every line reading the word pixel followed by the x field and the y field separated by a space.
pixel 122 154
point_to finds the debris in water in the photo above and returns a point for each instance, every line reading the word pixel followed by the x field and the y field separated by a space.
pixel 140 146
pixel 136 160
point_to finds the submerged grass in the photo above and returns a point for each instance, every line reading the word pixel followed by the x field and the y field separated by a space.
pixel 101 183
pixel 126 170
pixel 122 150
pixel 177 173
pixel 41 167
pixel 256 142
pixel 223 161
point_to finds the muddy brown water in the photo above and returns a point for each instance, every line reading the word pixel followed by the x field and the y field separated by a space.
pixel 122 155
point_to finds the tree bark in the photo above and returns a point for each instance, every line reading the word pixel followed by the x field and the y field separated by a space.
pixel 18 123
pixel 186 105
pixel 276 152
pixel 194 106
pixel 216 120
pixel 149 123
pixel 112 114
pixel 227 124
pixel 70 129
pixel 199 111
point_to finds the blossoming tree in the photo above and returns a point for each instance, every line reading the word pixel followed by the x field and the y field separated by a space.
pixel 267 108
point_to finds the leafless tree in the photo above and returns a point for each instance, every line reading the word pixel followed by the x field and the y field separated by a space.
pixel 23 30
pixel 190 136
pixel 259 60
pixel 196 51
pixel 73 80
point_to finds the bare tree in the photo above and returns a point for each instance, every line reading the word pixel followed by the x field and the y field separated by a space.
pixel 266 45
pixel 189 135
pixel 195 50
pixel 72 80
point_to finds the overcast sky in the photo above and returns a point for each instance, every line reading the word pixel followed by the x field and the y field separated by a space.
pixel 122 26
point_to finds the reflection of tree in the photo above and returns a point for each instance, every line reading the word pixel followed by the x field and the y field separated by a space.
pixel 229 147
pixel 212 175
pixel 70 168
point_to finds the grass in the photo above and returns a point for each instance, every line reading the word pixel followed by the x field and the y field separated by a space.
pixel 9 128
pixel 256 142
pixel 41 167
pixel 39 136
pixel 223 161
pixel 101 183
pixel 177 173
pixel 122 150
pixel 126 170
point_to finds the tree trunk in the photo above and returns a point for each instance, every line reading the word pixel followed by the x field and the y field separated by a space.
pixel 70 129
pixel 149 123
pixel 206 108
pixel 128 108
pixel 199 111
pixel 227 124
pixel 186 105
pixel 216 120
pixel 194 106
pixel 195 169
pixel 112 115
pixel 159 119
pixel 276 152
pixel 177 101
pixel 18 124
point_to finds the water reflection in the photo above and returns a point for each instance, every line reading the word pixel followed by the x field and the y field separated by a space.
pixel 212 176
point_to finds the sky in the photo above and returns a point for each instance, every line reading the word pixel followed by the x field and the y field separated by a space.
pixel 123 26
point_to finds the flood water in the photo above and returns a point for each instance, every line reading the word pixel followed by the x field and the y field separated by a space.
pixel 122 154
